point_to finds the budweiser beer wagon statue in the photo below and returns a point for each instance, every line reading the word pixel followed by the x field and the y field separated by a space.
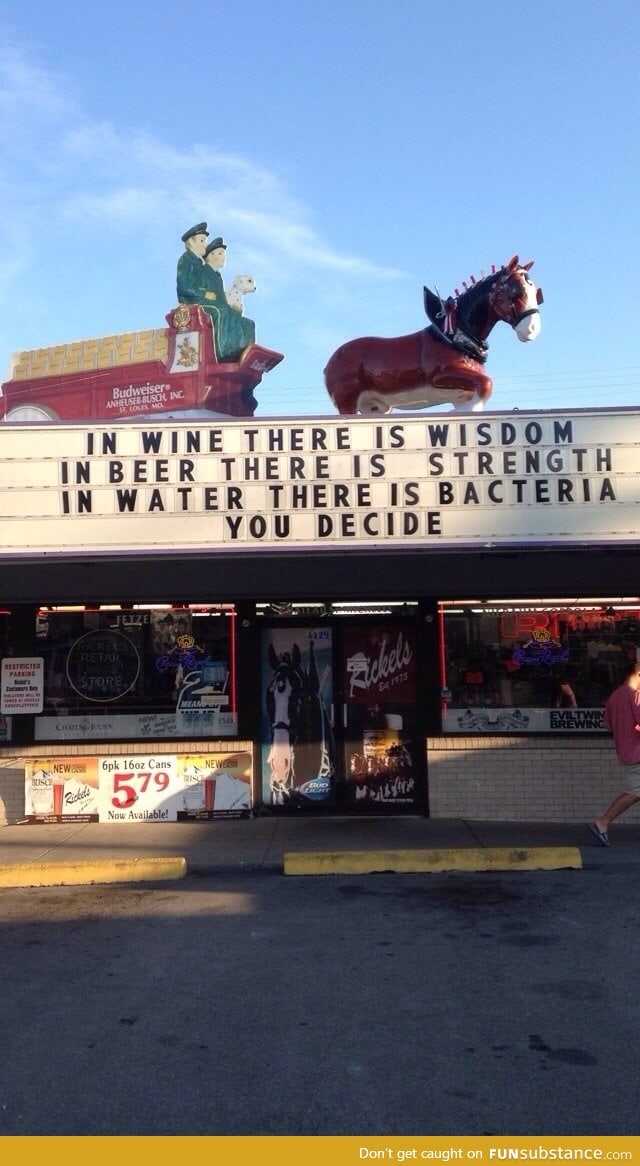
pixel 205 363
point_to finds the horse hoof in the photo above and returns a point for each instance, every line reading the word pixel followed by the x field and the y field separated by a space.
pixel 373 403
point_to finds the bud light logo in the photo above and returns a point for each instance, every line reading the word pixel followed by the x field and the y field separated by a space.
pixel 317 789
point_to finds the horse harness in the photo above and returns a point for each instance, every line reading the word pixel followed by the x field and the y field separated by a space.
pixel 451 332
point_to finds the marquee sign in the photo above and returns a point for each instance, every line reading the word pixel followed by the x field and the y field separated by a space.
pixel 450 480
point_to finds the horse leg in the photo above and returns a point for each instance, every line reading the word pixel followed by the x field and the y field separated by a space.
pixel 350 398
pixel 458 379
pixel 344 392
pixel 371 402
pixel 344 377
pixel 473 405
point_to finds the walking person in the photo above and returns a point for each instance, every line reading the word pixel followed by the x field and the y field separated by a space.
pixel 622 718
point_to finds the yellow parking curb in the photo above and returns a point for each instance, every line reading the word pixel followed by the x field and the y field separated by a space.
pixel 415 861
pixel 68 874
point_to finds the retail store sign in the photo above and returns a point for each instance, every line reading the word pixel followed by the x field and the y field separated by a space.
pixel 456 480
pixel 21 685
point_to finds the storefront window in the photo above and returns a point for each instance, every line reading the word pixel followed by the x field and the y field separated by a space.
pixel 518 666
pixel 133 671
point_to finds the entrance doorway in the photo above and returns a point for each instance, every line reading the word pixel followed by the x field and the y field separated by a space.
pixel 342 726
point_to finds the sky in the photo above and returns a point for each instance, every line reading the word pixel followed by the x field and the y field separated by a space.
pixel 349 152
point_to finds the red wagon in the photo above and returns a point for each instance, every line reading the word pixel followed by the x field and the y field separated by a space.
pixel 172 371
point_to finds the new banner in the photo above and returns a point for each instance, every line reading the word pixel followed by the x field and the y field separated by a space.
pixel 138 788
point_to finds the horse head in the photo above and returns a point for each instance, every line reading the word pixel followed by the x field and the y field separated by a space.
pixel 515 299
pixel 285 690
pixel 301 737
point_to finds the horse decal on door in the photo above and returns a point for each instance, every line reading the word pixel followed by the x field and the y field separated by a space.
pixel 301 757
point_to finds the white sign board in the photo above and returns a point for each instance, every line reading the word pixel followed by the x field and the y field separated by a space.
pixel 213 722
pixel 436 480
pixel 138 789
pixel 21 685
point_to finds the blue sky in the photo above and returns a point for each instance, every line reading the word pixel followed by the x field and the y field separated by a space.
pixel 349 151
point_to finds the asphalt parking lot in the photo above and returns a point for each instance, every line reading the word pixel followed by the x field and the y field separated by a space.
pixel 245 1002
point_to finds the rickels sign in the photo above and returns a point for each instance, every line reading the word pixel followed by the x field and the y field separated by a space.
pixel 449 480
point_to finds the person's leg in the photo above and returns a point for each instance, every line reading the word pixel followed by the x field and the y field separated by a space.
pixel 617 807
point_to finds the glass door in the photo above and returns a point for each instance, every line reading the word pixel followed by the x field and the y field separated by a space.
pixel 383 767
pixel 297 739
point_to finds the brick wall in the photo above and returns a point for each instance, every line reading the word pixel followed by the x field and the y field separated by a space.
pixel 483 778
pixel 523 778
pixel 11 790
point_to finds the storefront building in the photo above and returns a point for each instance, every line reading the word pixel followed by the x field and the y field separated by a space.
pixel 420 614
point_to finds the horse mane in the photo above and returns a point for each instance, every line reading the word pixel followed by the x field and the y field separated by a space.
pixel 460 305
pixel 466 301
pixel 458 308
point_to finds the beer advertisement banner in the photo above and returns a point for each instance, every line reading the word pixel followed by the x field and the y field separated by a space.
pixel 137 788
pixel 214 785
pixel 62 789
pixel 379 686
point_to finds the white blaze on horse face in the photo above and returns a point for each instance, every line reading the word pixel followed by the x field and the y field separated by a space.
pixel 280 758
pixel 529 327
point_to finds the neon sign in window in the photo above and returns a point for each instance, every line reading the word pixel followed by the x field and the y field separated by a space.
pixel 541 648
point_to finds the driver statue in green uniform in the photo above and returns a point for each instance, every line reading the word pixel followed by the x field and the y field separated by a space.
pixel 191 266
pixel 201 283
pixel 233 331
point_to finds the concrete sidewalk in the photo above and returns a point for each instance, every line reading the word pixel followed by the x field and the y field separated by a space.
pixel 261 843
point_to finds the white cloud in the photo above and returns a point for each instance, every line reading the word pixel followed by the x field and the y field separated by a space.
pixel 29 94
pixel 91 212
pixel 62 166
pixel 196 182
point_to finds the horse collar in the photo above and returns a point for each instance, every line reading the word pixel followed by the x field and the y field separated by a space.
pixel 462 342
pixel 468 344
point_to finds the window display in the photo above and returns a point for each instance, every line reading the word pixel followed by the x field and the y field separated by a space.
pixel 133 671
pixel 522 666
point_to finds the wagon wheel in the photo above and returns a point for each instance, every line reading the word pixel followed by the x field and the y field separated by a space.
pixel 21 413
